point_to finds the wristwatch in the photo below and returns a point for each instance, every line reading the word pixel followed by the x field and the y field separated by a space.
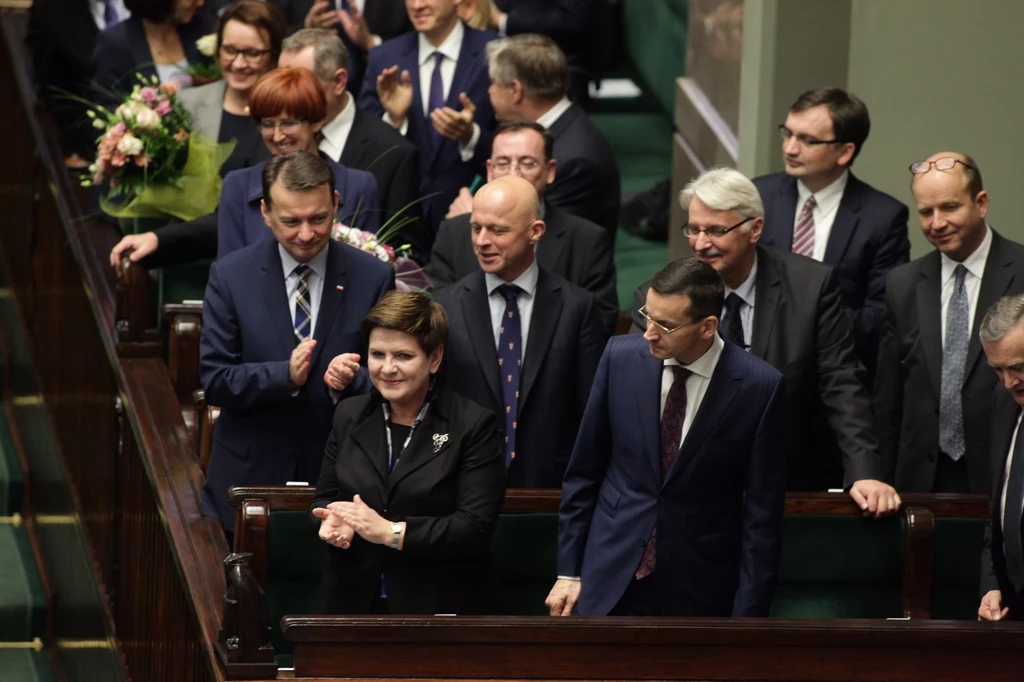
pixel 396 534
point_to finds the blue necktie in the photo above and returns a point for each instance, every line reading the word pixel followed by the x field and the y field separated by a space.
pixel 510 340
pixel 436 100
pixel 110 16
pixel 303 307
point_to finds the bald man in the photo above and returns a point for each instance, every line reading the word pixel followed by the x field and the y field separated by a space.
pixel 524 342
pixel 933 389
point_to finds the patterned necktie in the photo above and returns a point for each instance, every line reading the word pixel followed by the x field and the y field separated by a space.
pixel 954 358
pixel 110 16
pixel 803 234
pixel 672 419
pixel 303 307
pixel 732 325
pixel 436 100
pixel 510 340
pixel 1012 513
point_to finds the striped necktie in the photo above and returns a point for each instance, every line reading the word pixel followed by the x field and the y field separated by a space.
pixel 303 307
pixel 803 234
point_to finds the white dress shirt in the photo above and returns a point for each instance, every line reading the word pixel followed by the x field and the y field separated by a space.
pixel 314 283
pixel 824 212
pixel 747 293
pixel 696 384
pixel 527 283
pixel 975 264
pixel 99 12
pixel 336 131
pixel 1006 478
pixel 450 48
pixel 548 118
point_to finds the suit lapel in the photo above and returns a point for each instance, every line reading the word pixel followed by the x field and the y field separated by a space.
pixel 767 290
pixel 421 446
pixel 468 60
pixel 331 296
pixel 845 223
pixel 783 213
pixel 369 437
pixel 275 297
pixel 717 400
pixel 476 314
pixel 551 248
pixel 996 281
pixel 547 306
pixel 929 319
pixel 139 48
pixel 648 407
pixel 354 152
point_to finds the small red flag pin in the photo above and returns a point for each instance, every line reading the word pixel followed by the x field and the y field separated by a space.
pixel 340 288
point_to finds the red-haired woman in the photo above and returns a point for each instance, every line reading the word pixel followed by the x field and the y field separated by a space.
pixel 289 106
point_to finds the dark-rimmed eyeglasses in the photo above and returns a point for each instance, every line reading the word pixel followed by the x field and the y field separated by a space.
pixel 643 312
pixel 944 164
pixel 712 232
pixel 804 140
pixel 250 55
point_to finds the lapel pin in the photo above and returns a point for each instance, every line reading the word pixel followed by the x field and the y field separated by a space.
pixel 439 441
pixel 340 288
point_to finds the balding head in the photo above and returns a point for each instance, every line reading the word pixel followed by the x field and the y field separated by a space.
pixel 506 226
pixel 951 204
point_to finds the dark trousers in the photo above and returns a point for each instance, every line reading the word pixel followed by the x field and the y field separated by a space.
pixel 639 599
pixel 950 476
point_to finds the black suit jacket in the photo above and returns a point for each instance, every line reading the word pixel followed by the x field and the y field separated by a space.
pixel 563 348
pixel 801 330
pixel 122 51
pixel 587 176
pixel 907 386
pixel 378 148
pixel 868 239
pixel 1005 411
pixel 449 499
pixel 572 247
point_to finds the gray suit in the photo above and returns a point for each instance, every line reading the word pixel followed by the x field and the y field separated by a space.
pixel 206 105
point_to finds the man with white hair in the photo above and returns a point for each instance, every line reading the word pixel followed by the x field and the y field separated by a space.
pixel 787 310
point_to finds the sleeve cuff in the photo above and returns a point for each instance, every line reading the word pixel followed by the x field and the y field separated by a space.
pixel 466 153
pixel 569 577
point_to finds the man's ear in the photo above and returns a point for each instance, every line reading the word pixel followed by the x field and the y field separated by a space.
pixel 265 210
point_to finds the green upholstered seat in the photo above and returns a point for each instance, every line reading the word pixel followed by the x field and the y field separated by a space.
pixel 656 44
pixel 524 549
pixel 296 560
pixel 184 282
pixel 840 567
pixel 956 577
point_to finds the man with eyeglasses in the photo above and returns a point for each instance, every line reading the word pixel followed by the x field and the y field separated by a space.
pixel 786 310
pixel 572 247
pixel 672 502
pixel 523 342
pixel 933 392
pixel 819 209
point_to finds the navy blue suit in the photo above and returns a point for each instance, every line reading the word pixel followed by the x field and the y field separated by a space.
pixel 868 239
pixel 240 222
pixel 268 433
pixel 442 169
pixel 719 510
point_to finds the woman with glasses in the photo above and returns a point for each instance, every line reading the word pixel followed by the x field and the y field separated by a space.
pixel 289 107
pixel 249 35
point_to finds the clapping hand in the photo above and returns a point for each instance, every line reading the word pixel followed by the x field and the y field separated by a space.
pixel 298 365
pixel 333 529
pixel 462 204
pixel 395 94
pixel 319 16
pixel 367 523
pixel 358 31
pixel 455 125
pixel 341 371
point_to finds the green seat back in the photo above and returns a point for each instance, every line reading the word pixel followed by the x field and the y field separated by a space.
pixel 956 577
pixel 840 567
pixel 295 565
pixel 184 282
pixel 656 42
pixel 524 548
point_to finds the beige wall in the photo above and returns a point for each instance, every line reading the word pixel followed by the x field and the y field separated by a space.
pixel 936 75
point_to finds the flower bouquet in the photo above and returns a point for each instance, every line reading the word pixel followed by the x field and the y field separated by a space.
pixel 409 275
pixel 151 163
pixel 208 70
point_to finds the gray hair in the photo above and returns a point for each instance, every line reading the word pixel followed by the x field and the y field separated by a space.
pixel 1001 318
pixel 534 60
pixel 725 189
pixel 329 53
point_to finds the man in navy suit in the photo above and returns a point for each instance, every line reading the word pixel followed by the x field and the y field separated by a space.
pixel 818 208
pixel 682 518
pixel 281 335
pixel 431 85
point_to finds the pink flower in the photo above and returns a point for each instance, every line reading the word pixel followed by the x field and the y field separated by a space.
pixel 181 135
pixel 118 130
pixel 169 88
pixel 118 159
pixel 164 108
pixel 143 160
pixel 148 94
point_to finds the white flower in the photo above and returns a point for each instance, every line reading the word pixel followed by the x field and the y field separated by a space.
pixel 207 45
pixel 147 118
pixel 130 145
pixel 98 124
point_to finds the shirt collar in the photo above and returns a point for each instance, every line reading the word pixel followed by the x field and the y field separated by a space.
pixel 548 118
pixel 826 197
pixel 318 264
pixel 334 130
pixel 450 48
pixel 975 263
pixel 704 366
pixel 526 281
pixel 746 290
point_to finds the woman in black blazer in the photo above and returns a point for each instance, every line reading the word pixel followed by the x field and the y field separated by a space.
pixel 158 39
pixel 412 480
